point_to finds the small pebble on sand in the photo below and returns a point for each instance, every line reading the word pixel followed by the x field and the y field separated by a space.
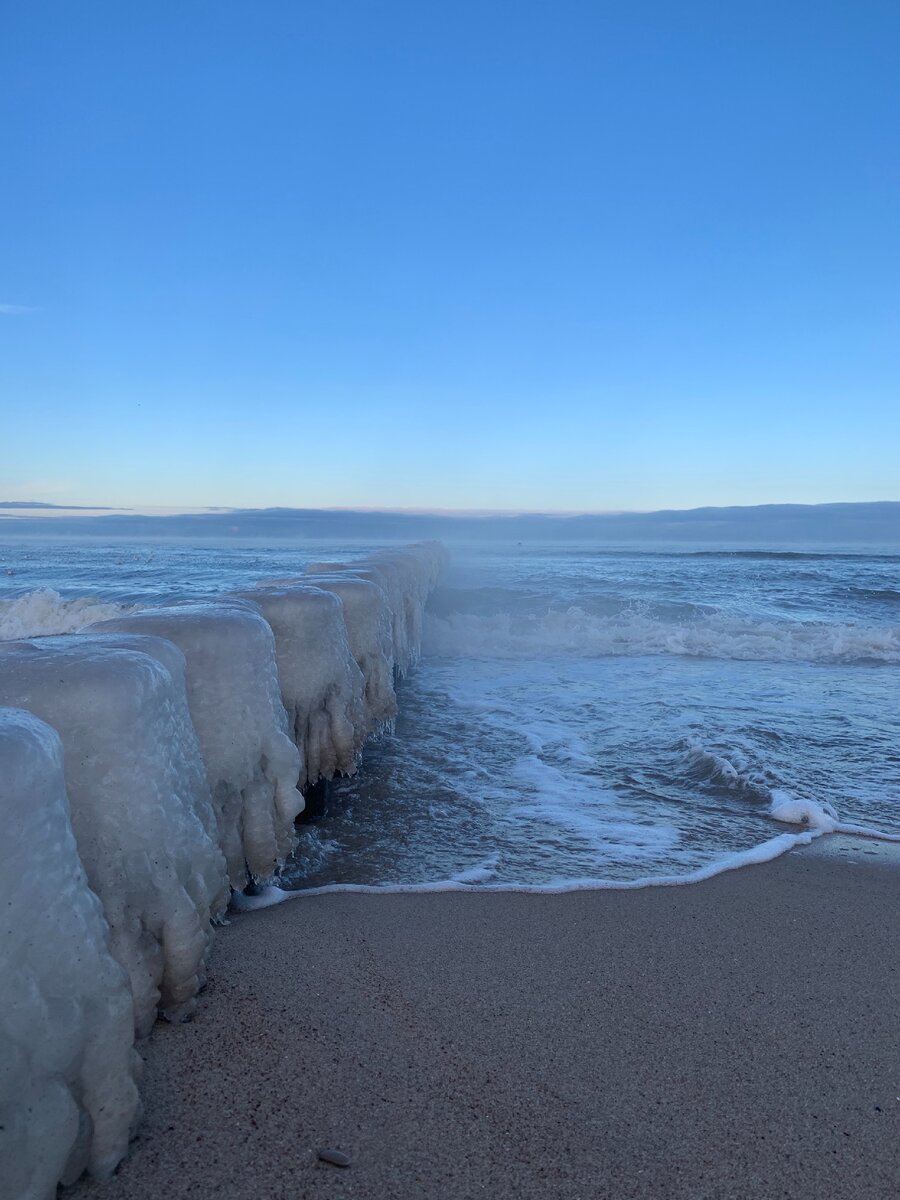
pixel 337 1158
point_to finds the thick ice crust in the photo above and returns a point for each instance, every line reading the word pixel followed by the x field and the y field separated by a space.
pixel 67 1093
pixel 321 686
pixel 369 622
pixel 141 808
pixel 406 576
pixel 252 765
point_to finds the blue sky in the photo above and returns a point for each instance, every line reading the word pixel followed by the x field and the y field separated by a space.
pixel 492 255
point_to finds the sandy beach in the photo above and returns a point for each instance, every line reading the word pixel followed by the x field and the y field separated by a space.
pixel 735 1038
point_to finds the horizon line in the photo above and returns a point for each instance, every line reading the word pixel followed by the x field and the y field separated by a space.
pixel 29 507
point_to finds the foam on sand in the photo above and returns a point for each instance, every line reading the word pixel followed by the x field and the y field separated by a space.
pixel 141 808
pixel 815 821
pixel 67 1093
pixel 322 688
pixel 251 763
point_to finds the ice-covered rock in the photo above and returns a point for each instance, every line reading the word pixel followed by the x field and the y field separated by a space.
pixel 67 1094
pixel 418 566
pixel 407 576
pixel 368 618
pixel 392 585
pixel 252 765
pixel 141 807
pixel 321 686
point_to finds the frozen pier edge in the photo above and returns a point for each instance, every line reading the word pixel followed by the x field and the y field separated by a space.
pixel 147 766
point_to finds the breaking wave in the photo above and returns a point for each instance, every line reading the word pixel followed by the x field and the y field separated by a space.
pixel 46 612
pixel 573 631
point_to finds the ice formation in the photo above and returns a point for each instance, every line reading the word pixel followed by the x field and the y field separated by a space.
pixel 417 568
pixel 368 619
pixel 406 576
pixel 321 686
pixel 67 1092
pixel 252 765
pixel 111 860
pixel 392 586
pixel 141 807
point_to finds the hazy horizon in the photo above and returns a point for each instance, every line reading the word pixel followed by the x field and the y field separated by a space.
pixel 759 526
pixel 171 509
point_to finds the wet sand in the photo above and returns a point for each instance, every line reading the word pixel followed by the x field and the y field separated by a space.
pixel 735 1038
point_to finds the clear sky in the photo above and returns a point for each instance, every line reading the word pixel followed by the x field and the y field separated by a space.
pixel 575 255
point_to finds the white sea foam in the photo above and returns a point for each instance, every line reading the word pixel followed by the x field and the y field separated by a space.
pixel 264 897
pixel 635 631
pixel 578 806
pixel 464 881
pixel 477 878
pixel 820 817
pixel 482 872
pixel 736 772
pixel 45 612
pixel 791 811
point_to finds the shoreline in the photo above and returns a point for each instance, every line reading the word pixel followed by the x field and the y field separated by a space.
pixel 843 843
pixel 731 1038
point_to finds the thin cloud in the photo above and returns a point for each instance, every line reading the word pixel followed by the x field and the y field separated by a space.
pixel 15 310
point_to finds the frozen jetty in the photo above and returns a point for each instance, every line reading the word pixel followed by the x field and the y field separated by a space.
pixel 67 1093
pixel 321 685
pixel 141 807
pixel 252 765
pixel 147 767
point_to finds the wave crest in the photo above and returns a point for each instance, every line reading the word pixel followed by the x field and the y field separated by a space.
pixel 574 631
pixel 45 612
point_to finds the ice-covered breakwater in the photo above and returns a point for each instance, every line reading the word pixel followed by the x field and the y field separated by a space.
pixel 252 765
pixel 146 764
pixel 321 684
pixel 141 807
pixel 67 1093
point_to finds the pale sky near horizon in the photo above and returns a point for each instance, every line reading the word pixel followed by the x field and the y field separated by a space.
pixel 576 256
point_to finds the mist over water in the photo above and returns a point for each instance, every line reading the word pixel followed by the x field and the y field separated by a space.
pixel 578 713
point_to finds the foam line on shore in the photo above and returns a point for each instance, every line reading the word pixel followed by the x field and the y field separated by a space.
pixel 764 852
pixel 819 820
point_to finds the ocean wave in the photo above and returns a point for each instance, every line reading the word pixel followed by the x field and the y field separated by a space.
pixel 45 612
pixel 734 772
pixel 884 595
pixel 788 555
pixel 636 631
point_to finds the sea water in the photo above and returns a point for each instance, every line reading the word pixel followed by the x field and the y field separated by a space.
pixel 580 715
